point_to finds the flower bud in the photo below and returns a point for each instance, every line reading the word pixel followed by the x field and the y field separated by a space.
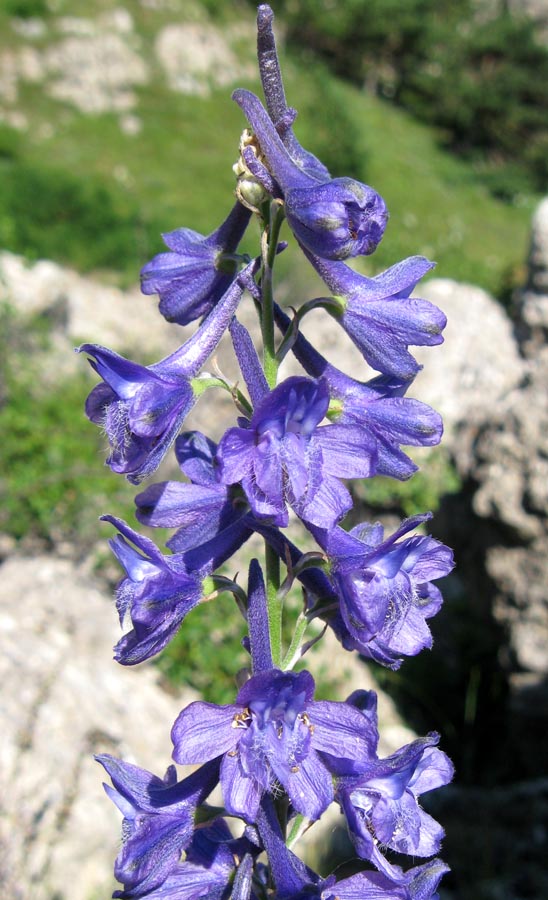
pixel 337 219
pixel 249 191
pixel 332 218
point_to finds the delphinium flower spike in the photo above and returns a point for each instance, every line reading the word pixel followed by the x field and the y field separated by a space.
pixel 279 756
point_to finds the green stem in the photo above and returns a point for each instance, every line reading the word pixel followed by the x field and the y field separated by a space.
pixel 270 243
pixel 205 383
pixel 293 654
pixel 270 366
pixel 299 825
pixel 274 604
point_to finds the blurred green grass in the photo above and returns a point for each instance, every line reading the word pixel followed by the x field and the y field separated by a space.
pixel 177 170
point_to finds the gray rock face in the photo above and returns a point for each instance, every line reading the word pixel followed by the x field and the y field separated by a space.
pixel 477 364
pixel 532 302
pixel 63 699
pixel 505 455
pixel 196 56
pixel 500 447
pixel 97 64
pixel 84 309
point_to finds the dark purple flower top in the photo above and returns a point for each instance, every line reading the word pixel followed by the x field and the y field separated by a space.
pixel 278 753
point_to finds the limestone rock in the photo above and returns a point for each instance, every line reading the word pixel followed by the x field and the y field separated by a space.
pixel 478 362
pixel 64 699
pixel 95 73
pixel 506 456
pixel 500 447
pixel 83 308
pixel 532 301
pixel 197 56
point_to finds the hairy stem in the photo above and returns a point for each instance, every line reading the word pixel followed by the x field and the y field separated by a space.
pixel 274 604
pixel 270 243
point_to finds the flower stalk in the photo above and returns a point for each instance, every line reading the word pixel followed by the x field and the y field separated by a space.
pixel 284 465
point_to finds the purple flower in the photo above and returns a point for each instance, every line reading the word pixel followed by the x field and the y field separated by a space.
pixel 158 591
pixel 295 881
pixel 199 510
pixel 142 408
pixel 193 277
pixel 381 805
pixel 274 734
pixel 419 883
pixel 334 219
pixel 392 419
pixel 378 406
pixel 379 315
pixel 384 588
pixel 158 820
pixel 212 860
pixel 282 456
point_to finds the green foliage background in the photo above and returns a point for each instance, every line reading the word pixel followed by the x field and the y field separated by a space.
pixel 77 189
pixel 477 70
